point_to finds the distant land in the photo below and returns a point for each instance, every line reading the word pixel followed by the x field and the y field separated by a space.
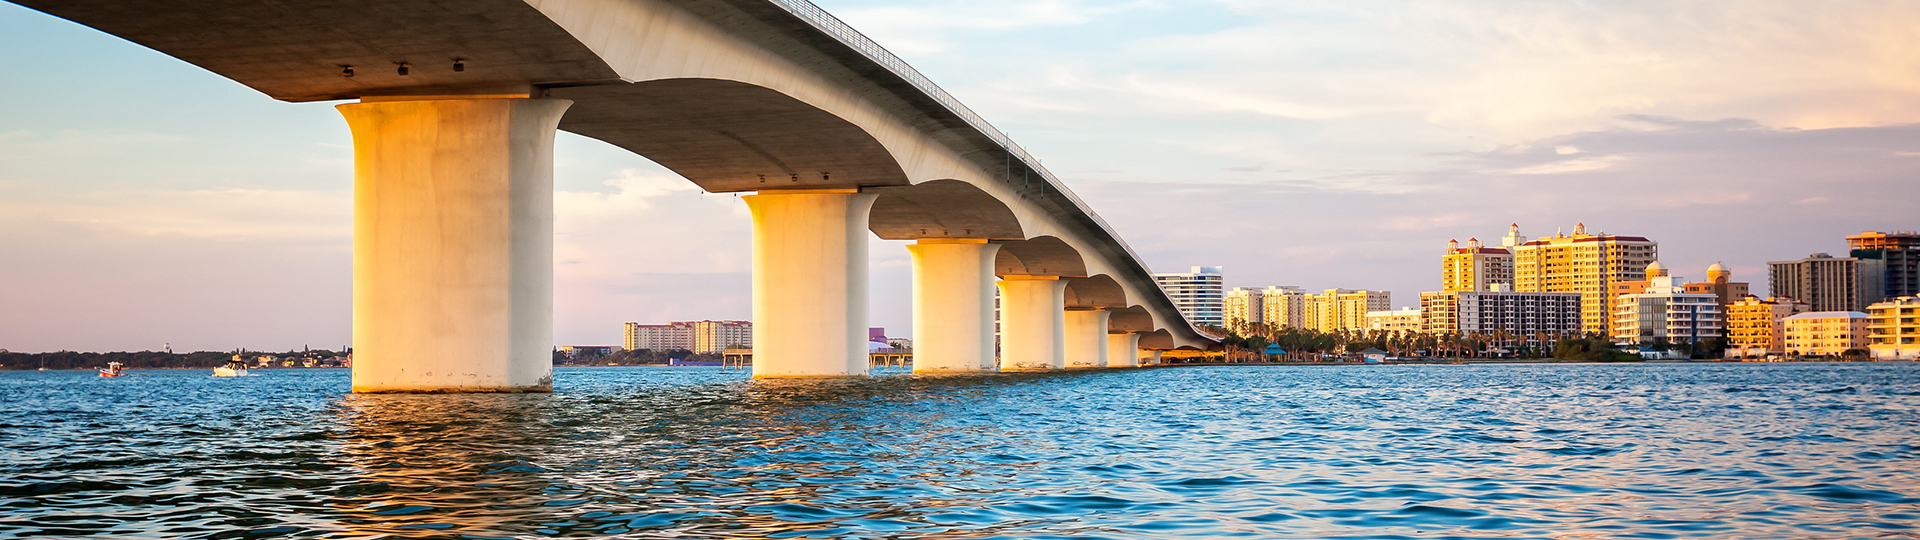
pixel 149 359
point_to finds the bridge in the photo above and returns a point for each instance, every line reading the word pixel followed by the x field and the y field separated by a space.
pixel 454 113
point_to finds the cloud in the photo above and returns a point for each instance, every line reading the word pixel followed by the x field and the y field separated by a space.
pixel 224 214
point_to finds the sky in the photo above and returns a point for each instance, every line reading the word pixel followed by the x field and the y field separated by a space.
pixel 145 202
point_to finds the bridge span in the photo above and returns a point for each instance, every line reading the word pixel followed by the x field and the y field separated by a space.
pixel 454 113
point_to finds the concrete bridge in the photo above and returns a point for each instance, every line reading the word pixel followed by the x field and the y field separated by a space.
pixel 453 128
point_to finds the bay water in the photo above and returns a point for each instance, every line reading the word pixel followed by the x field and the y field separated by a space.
pixel 1473 451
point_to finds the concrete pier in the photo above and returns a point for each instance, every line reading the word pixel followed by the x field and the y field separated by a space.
pixel 953 288
pixel 810 283
pixel 453 244
pixel 1032 322
pixel 1086 338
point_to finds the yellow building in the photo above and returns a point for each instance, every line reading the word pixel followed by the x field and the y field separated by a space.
pixel 1243 308
pixel 1754 326
pixel 1284 307
pixel 1825 333
pixel 1583 263
pixel 1343 309
pixel 1893 329
pixel 1475 267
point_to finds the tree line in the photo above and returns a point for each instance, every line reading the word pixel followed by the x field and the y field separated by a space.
pixel 141 359
pixel 1248 342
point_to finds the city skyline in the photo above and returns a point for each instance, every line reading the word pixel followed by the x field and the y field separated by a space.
pixel 198 212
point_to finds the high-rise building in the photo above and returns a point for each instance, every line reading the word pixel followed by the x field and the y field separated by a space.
pixel 1754 327
pixel 1720 284
pixel 1242 308
pixel 1399 320
pixel 1509 318
pixel 1893 329
pixel 1826 333
pixel 1197 294
pixel 1828 283
pixel 1284 307
pixel 698 336
pixel 1476 267
pixel 1583 263
pixel 1344 309
pixel 1666 311
pixel 1899 256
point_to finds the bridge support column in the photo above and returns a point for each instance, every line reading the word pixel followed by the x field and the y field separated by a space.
pixel 952 305
pixel 453 244
pixel 1150 357
pixel 1032 322
pixel 810 283
pixel 1086 340
pixel 1123 350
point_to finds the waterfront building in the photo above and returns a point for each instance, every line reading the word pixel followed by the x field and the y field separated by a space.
pixel 1197 294
pixel 698 336
pixel 1754 326
pixel 1476 267
pixel 1899 256
pixel 1826 333
pixel 1828 283
pixel 1344 309
pixel 1720 284
pixel 1893 329
pixel 1510 318
pixel 1242 308
pixel 1666 311
pixel 1399 320
pixel 1284 307
pixel 1589 264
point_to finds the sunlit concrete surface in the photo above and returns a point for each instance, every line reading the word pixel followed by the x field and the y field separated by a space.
pixel 810 283
pixel 453 244
pixel 953 287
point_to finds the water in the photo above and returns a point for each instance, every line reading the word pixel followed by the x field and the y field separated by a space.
pixel 1562 451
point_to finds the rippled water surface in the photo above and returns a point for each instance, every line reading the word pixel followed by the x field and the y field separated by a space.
pixel 1563 451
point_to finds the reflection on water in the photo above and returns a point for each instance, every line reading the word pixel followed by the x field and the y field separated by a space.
pixel 1362 452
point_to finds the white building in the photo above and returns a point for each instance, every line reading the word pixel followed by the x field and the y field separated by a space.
pixel 1405 319
pixel 1198 294
pixel 1666 311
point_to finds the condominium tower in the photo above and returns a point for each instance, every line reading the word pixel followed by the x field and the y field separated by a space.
pixel 1893 329
pixel 1583 263
pixel 1198 294
pixel 1666 311
pixel 1828 283
pixel 1476 267
pixel 1899 256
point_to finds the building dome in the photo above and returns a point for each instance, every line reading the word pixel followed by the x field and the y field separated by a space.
pixel 1656 270
pixel 1718 273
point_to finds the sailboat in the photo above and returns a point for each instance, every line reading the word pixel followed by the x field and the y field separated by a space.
pixel 237 367
pixel 113 369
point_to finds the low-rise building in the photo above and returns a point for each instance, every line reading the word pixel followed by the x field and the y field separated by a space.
pixel 1893 329
pixel 1826 333
pixel 1400 320
pixel 1754 326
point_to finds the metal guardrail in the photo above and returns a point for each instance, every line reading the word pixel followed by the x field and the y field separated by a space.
pixel 833 26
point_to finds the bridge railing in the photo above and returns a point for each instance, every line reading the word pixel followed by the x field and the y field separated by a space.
pixel 833 26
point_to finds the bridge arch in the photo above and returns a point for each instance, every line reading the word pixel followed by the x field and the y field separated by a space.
pixel 942 209
pixel 1039 256
pixel 732 136
pixel 1131 319
pixel 1095 292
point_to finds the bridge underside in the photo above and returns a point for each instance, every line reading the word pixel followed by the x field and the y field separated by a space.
pixel 459 104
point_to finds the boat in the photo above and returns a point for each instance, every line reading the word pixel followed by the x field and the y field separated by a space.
pixel 113 369
pixel 237 367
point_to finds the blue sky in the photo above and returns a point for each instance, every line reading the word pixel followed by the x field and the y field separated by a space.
pixel 1319 144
